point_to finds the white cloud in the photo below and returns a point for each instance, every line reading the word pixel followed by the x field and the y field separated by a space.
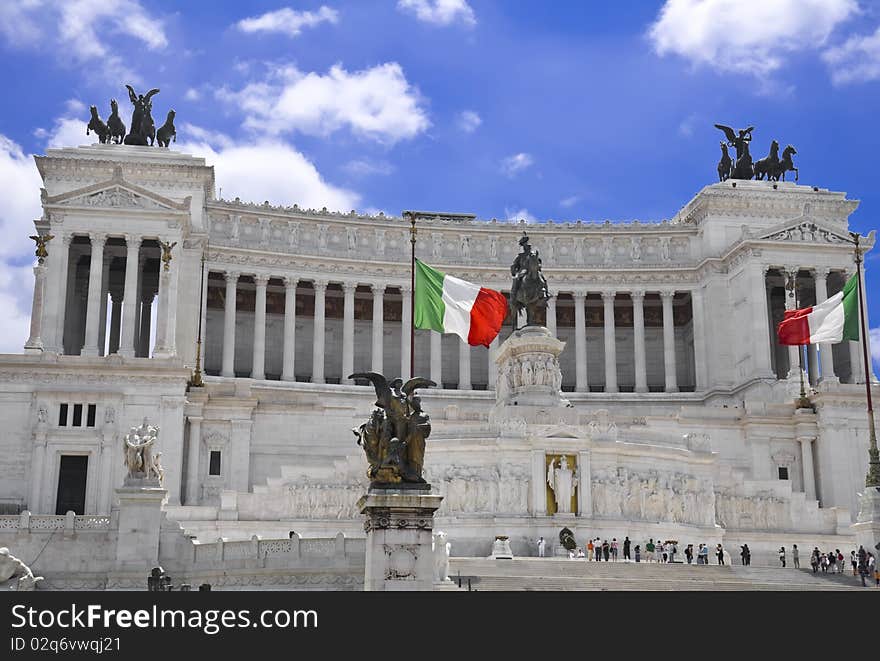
pixel 686 126
pixel 288 21
pixel 192 94
pixel 468 121
pixel 745 36
pixel 362 167
pixel 874 339
pixel 268 169
pixel 77 30
pixel 856 60
pixel 512 165
pixel 569 202
pixel 377 103
pixel 516 215
pixel 439 12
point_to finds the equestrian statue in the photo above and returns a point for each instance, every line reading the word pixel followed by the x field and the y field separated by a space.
pixel 529 290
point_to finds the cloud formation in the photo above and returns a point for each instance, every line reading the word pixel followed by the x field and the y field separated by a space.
pixel 288 21
pixel 468 121
pixel 377 103
pixel 513 165
pixel 439 12
pixel 857 60
pixel 745 36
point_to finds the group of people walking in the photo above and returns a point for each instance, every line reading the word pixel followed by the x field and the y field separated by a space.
pixel 863 563
pixel 660 551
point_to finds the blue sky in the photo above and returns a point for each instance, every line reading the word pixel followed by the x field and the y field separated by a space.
pixel 560 110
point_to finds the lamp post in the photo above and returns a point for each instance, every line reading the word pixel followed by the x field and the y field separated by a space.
pixel 196 380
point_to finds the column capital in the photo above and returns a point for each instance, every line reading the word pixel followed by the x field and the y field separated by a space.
pixel 133 241
pixel 637 294
pixel 378 287
pixel 405 290
pixel 98 238
pixel 320 284
pixel 67 238
pixel 349 288
pixel 290 281
pixel 667 295
pixel 261 279
pixel 608 294
pixel 821 271
pixel 231 276
pixel 579 293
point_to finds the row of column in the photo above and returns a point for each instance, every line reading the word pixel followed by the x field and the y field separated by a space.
pixel 320 287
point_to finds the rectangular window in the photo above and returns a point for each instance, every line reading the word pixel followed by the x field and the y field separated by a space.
pixel 77 415
pixel 214 465
pixel 62 415
pixel 783 472
pixel 90 416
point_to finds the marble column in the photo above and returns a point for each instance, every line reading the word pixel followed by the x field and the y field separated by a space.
pixel 348 290
pixel 34 343
pixel 38 461
pixel 58 308
pixel 405 330
pixel 318 340
pixel 146 322
pixel 551 315
pixel 228 368
pixel 610 343
pixel 826 355
pixel 378 326
pixel 192 460
pixel 163 312
pixel 761 321
pixel 93 306
pixel 436 358
pixel 641 370
pixel 807 465
pixel 105 292
pixel 288 372
pixel 580 342
pixel 699 326
pixel 585 495
pixel 464 365
pixel 115 320
pixel 493 367
pixel 794 363
pixel 130 298
pixel 669 342
pixel 54 291
pixel 139 305
pixel 258 370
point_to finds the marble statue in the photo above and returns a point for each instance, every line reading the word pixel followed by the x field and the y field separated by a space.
pixel 529 289
pixel 441 548
pixel 11 566
pixel 563 482
pixel 138 452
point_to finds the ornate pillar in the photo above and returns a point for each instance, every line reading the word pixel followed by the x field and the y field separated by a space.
pixel 405 330
pixel 794 363
pixel 641 370
pixel 760 321
pixel 192 461
pixel 348 289
pixel 580 341
pixel 436 358
pixel 807 465
pixel 102 321
pixel 160 348
pixel 610 344
pixel 493 368
pixel 826 355
pixel 93 306
pixel 699 326
pixel 38 461
pixel 585 495
pixel 130 295
pixel 107 452
pixel 115 320
pixel 287 370
pixel 669 342
pixel 318 341
pixel 34 343
pixel 464 365
pixel 228 368
pixel 146 321
pixel 378 325
pixel 551 314
pixel 57 310
pixel 258 370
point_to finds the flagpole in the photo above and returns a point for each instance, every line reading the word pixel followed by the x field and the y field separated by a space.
pixel 803 401
pixel 196 380
pixel 412 304
pixel 873 477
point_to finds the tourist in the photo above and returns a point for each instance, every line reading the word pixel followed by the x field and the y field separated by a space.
pixel 689 553
pixel 748 556
pixel 590 550
pixel 672 552
pixel 795 558
pixel 876 570
pixel 841 564
pixel 814 560
pixel 614 549
pixel 705 553
pixel 743 554
pixel 664 548
pixel 782 555
pixel 853 561
pixel 862 555
pixel 598 545
pixel 581 553
pixel 719 551
pixel 638 551
pixel 541 547
pixel 700 555
pixel 649 550
pixel 606 550
pixel 626 545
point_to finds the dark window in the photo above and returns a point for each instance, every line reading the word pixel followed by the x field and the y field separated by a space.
pixel 214 465
pixel 72 484
pixel 62 415
pixel 77 415
pixel 90 416
pixel 783 472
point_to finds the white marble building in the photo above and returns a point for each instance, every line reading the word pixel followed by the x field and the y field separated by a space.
pixel 682 420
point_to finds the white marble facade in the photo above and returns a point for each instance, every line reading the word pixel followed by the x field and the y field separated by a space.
pixel 681 408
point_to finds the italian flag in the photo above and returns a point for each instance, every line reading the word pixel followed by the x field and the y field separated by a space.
pixel 833 320
pixel 451 305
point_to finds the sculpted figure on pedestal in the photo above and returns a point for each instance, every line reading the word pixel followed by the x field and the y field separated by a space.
pixel 529 290
pixel 138 452
pixel 563 482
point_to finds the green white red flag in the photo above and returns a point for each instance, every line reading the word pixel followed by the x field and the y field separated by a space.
pixel 832 321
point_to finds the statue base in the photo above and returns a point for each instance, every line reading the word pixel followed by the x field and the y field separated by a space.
pixel 501 548
pixel 867 526
pixel 399 525
pixel 401 486
pixel 140 518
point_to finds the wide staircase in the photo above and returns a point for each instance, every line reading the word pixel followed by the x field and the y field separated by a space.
pixel 564 574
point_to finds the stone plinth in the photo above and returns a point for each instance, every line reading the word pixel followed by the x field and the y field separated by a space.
pixel 140 519
pixel 399 529
pixel 501 548
pixel 867 526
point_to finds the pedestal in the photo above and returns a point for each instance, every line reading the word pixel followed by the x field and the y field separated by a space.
pixel 140 518
pixel 501 548
pixel 399 529
pixel 867 526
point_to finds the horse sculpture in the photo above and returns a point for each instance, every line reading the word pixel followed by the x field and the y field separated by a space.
pixel 98 126
pixel 724 164
pixel 529 290
pixel 768 165
pixel 785 164
pixel 148 127
pixel 167 132
pixel 115 123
